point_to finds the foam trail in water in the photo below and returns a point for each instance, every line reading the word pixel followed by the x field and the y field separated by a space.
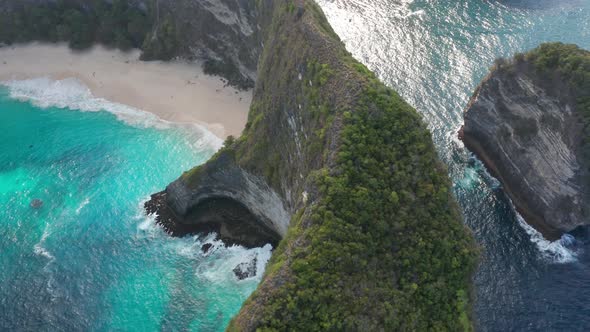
pixel 73 94
pixel 554 251
pixel 40 250
pixel 82 205
pixel 476 171
pixel 453 137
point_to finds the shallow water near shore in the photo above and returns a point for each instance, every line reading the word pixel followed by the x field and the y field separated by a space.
pixel 435 53
pixel 88 258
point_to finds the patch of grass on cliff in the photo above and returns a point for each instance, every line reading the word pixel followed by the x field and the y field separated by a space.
pixel 558 62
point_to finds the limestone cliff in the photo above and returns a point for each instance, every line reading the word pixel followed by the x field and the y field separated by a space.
pixel 343 172
pixel 527 121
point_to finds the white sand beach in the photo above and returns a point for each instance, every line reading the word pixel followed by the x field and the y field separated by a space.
pixel 175 91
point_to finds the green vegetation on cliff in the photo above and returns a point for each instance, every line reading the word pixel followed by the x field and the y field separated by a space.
pixel 385 245
pixel 378 242
pixel 571 64
pixel 566 62
pixel 114 24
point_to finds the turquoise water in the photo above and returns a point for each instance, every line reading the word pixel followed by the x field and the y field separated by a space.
pixel 89 259
pixel 435 53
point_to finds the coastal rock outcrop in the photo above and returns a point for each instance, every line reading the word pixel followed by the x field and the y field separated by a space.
pixel 246 270
pixel 344 173
pixel 224 198
pixel 528 123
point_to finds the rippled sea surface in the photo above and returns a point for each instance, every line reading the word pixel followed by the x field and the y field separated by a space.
pixel 435 53
pixel 88 259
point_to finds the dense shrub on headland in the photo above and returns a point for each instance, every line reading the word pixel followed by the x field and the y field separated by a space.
pixel 115 24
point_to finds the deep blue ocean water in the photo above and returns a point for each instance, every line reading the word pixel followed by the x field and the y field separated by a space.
pixel 435 53
pixel 88 259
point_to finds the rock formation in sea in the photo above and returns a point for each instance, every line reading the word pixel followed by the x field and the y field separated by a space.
pixel 342 173
pixel 528 122
pixel 246 269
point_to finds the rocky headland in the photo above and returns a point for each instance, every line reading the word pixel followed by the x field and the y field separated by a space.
pixel 528 122
pixel 342 173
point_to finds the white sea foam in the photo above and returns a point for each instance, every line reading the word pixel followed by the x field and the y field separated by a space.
pixel 147 228
pixel 224 260
pixel 42 251
pixel 73 94
pixel 218 263
pixel 555 251
pixel 453 137
pixel 82 205
pixel 404 10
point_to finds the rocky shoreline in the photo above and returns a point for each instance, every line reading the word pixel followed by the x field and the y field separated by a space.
pixel 231 221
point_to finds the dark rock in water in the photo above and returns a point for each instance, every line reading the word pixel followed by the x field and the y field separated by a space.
pixel 246 270
pixel 206 247
pixel 36 203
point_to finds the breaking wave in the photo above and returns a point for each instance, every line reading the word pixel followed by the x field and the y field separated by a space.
pixel 73 94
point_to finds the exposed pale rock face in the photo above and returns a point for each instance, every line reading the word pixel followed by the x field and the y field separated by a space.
pixel 224 198
pixel 529 135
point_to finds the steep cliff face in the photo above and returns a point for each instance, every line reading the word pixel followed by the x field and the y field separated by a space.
pixel 222 33
pixel 527 121
pixel 344 172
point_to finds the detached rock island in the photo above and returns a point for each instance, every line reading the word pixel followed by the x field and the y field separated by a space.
pixel 342 173
pixel 529 122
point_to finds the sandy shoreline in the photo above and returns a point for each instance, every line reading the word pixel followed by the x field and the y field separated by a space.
pixel 176 91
